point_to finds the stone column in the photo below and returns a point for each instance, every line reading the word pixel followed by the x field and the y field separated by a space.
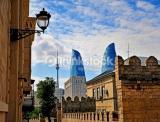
pixel 119 62
pixel 4 57
pixel 14 66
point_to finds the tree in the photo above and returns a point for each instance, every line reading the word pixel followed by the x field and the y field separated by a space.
pixel 35 113
pixel 45 93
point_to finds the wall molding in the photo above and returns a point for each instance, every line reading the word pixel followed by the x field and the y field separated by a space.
pixel 3 107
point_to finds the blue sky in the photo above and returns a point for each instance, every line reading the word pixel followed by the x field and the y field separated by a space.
pixel 89 26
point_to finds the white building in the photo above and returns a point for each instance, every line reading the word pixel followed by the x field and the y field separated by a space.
pixel 59 93
pixel 75 86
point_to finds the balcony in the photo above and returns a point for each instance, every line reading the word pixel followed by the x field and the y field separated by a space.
pixel 28 103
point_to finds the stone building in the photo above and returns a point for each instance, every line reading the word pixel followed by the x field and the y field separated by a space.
pixel 15 59
pixel 103 89
pixel 75 86
pixel 128 94
pixel 59 93
pixel 138 89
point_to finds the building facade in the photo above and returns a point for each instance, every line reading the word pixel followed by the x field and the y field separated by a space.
pixel 59 93
pixel 130 93
pixel 103 89
pixel 76 85
pixel 108 62
pixel 138 89
pixel 15 59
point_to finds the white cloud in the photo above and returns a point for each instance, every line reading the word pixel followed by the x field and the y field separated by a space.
pixel 45 46
pixel 138 27
pixel 145 5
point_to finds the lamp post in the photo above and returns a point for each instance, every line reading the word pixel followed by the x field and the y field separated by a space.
pixel 42 21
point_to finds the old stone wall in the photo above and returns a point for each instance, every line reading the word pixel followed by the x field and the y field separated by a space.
pixel 4 57
pixel 138 90
pixel 84 105
pixel 14 57
pixel 84 111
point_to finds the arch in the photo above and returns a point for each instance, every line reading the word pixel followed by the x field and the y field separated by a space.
pixel 69 99
pixel 152 61
pixel 134 60
pixel 76 99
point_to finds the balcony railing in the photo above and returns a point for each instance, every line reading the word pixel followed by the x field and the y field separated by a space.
pixel 28 103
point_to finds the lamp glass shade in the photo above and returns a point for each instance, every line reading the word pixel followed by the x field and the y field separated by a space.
pixel 43 19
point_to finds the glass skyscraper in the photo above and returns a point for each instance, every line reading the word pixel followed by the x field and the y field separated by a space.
pixel 108 63
pixel 76 85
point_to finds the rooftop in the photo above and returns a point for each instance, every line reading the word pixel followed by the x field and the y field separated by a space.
pixel 102 75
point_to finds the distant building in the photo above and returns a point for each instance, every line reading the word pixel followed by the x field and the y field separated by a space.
pixel 36 100
pixel 59 92
pixel 102 87
pixel 76 85
pixel 108 63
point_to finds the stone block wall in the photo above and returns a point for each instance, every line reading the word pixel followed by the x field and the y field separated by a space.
pixel 138 90
pixel 84 105
pixel 4 57
pixel 14 58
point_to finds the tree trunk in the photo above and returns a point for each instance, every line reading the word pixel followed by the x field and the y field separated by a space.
pixel 49 119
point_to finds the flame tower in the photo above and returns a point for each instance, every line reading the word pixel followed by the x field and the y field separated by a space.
pixel 76 85
pixel 108 63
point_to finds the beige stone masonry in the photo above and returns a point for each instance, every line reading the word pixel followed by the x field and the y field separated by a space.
pixel 138 90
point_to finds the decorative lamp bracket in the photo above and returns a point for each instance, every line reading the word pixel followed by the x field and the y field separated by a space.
pixel 17 34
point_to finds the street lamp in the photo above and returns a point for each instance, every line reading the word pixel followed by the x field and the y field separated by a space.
pixel 42 21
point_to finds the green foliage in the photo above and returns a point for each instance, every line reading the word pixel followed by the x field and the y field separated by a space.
pixel 35 113
pixel 45 93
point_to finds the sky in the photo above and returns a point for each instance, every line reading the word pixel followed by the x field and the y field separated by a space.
pixel 89 26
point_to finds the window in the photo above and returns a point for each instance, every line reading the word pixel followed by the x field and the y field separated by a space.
pixel 98 90
pixel 102 91
pixel 115 116
pixel 94 93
